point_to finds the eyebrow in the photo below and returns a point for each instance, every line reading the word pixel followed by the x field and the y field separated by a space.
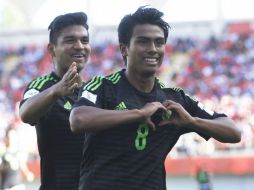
pixel 75 37
pixel 148 38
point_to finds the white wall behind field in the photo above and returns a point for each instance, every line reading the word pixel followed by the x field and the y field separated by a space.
pixel 38 14
pixel 26 21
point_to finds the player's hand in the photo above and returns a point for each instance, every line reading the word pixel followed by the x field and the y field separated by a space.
pixel 70 81
pixel 179 117
pixel 149 110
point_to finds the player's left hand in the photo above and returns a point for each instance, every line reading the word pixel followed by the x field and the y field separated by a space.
pixel 179 117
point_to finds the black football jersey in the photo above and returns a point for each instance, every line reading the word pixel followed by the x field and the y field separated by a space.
pixel 130 156
pixel 60 150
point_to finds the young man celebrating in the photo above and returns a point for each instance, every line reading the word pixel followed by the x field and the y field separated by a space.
pixel 131 120
pixel 48 100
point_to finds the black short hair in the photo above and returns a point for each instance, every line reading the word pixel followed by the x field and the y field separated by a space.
pixel 63 21
pixel 143 15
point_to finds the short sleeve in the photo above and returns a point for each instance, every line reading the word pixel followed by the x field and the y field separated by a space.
pixel 90 93
pixel 196 109
pixel 38 85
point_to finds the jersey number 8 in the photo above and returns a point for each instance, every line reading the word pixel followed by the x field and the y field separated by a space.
pixel 142 132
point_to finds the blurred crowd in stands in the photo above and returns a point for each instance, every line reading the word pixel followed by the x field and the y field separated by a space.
pixel 217 71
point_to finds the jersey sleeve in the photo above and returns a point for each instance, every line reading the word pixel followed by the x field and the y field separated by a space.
pixel 91 93
pixel 36 86
pixel 196 109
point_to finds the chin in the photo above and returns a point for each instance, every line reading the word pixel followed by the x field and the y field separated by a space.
pixel 150 72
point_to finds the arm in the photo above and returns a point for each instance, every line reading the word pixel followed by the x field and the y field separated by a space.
pixel 88 118
pixel 35 107
pixel 222 129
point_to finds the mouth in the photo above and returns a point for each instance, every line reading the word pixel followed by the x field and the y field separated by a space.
pixel 151 60
pixel 78 56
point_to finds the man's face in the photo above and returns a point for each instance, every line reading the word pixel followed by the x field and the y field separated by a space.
pixel 146 49
pixel 72 46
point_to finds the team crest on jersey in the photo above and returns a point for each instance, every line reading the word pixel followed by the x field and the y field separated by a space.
pixel 30 93
pixel 201 106
pixel 90 96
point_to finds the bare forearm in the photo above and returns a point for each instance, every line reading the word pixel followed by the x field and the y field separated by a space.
pixel 87 118
pixel 37 106
pixel 222 129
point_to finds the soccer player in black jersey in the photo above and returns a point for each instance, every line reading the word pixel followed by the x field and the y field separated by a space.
pixel 48 100
pixel 131 120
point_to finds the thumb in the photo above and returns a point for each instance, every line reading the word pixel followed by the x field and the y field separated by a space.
pixel 151 124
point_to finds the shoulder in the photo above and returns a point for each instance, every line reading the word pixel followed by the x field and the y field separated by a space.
pixel 99 82
pixel 114 78
pixel 93 84
pixel 172 90
pixel 42 82
pixel 38 85
pixel 177 92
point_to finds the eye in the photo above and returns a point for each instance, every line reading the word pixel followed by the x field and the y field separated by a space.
pixel 85 40
pixel 142 41
pixel 160 42
pixel 69 40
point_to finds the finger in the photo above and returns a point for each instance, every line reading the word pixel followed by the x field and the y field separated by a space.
pixel 74 67
pixel 161 107
pixel 73 87
pixel 72 76
pixel 73 79
pixel 71 67
pixel 168 103
pixel 71 70
pixel 164 122
pixel 74 70
pixel 73 64
pixel 172 106
pixel 152 125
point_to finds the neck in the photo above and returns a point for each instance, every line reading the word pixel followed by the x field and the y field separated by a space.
pixel 58 71
pixel 142 83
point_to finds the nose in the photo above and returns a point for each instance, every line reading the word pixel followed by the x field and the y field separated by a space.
pixel 152 47
pixel 79 45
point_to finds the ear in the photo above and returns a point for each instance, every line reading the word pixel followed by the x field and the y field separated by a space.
pixel 124 49
pixel 51 49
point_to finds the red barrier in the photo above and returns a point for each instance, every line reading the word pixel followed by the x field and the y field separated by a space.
pixel 34 166
pixel 240 165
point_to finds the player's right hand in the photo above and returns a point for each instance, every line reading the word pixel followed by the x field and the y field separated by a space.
pixel 149 110
pixel 70 81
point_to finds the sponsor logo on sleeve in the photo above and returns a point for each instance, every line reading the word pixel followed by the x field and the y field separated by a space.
pixel 30 93
pixel 201 106
pixel 90 96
